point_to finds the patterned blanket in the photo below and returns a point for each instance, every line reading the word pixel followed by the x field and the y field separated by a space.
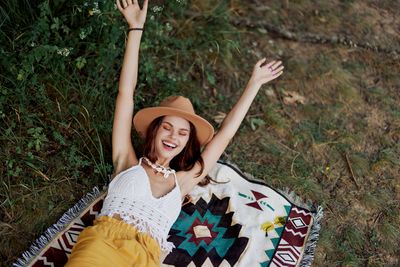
pixel 242 222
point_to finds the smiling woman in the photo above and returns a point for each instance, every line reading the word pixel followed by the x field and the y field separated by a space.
pixel 175 131
pixel 144 198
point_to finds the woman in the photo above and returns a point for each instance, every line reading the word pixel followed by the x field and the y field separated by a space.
pixel 144 197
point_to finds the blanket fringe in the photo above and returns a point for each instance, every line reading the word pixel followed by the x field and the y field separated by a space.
pixel 318 213
pixel 297 200
pixel 40 243
pixel 309 250
pixel 52 232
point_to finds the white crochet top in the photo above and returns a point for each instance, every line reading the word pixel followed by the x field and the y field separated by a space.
pixel 129 195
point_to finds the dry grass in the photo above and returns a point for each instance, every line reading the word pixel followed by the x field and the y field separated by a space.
pixel 340 148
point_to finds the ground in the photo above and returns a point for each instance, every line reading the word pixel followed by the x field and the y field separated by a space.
pixel 328 128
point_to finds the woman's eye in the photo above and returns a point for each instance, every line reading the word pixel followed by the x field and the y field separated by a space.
pixel 167 127
pixel 182 134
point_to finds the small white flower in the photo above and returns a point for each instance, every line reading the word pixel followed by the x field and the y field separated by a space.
pixel 156 9
pixel 95 10
pixel 64 51
pixel 168 26
pixel 85 32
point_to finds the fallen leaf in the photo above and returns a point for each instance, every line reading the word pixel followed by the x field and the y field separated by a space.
pixel 292 97
pixel 270 93
pixel 256 122
pixel 219 117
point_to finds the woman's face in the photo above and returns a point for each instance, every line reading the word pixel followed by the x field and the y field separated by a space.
pixel 171 138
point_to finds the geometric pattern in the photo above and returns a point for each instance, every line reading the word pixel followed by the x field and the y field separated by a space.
pixel 256 197
pixel 239 223
pixel 58 251
pixel 220 239
pixel 274 239
pixel 293 238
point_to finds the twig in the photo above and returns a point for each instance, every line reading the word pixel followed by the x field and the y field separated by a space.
pixel 316 38
pixel 280 98
pixel 334 213
pixel 42 174
pixel 377 218
pixel 288 148
pixel 292 166
pixel 351 171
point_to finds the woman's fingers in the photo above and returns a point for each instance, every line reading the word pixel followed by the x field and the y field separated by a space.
pixel 271 77
pixel 145 5
pixel 123 4
pixel 273 65
pixel 276 75
pixel 277 70
pixel 265 72
pixel 119 5
pixel 260 62
pixel 268 66
pixel 276 65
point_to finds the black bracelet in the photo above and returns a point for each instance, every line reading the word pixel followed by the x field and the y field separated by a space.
pixel 135 29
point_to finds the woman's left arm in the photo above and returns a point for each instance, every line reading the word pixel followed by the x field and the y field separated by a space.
pixel 262 73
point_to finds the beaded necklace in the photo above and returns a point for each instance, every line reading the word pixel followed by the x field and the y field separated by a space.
pixel 159 168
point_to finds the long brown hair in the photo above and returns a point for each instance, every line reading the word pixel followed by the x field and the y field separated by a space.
pixel 186 159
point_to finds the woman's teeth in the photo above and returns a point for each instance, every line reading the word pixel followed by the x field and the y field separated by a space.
pixel 169 144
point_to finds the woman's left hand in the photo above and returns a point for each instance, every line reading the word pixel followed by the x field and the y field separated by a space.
pixel 134 15
pixel 267 72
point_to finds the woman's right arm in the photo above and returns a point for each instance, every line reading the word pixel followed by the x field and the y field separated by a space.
pixel 123 154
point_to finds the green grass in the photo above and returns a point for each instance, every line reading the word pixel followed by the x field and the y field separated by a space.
pixel 58 82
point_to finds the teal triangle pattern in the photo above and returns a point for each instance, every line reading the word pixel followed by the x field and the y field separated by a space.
pixel 275 241
pixel 288 208
pixel 279 230
pixel 270 252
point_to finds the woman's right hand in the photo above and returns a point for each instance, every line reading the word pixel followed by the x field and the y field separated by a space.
pixel 134 15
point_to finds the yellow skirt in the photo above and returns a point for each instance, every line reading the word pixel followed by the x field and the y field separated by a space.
pixel 112 242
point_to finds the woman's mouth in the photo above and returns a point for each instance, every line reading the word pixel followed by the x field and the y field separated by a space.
pixel 169 146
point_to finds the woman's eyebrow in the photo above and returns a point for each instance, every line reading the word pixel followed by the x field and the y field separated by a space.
pixel 170 124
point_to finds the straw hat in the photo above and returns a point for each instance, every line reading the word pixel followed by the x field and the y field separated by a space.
pixel 175 106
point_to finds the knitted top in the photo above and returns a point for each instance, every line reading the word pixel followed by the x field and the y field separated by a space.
pixel 129 195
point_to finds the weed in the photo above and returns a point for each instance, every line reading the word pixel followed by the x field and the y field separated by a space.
pixel 58 82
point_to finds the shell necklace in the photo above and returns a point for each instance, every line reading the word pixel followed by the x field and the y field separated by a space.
pixel 159 168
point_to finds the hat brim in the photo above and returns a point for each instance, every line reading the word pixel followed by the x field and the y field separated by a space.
pixel 144 117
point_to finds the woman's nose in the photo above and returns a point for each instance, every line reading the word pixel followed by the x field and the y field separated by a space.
pixel 173 134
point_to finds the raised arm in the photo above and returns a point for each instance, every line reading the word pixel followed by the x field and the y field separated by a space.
pixel 262 73
pixel 123 154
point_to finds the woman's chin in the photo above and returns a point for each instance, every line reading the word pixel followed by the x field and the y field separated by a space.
pixel 165 154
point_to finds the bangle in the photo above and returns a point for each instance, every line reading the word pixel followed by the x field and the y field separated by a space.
pixel 135 29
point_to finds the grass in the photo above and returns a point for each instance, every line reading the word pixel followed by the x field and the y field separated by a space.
pixel 340 148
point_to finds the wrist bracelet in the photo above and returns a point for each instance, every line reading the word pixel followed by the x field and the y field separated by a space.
pixel 135 29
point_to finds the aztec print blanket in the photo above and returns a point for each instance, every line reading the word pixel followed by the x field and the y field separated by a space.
pixel 239 223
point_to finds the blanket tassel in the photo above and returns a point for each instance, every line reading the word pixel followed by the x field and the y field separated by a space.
pixel 51 232
pixel 309 250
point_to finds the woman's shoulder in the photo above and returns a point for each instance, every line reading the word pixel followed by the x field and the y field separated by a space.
pixel 186 180
pixel 118 171
pixel 120 167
